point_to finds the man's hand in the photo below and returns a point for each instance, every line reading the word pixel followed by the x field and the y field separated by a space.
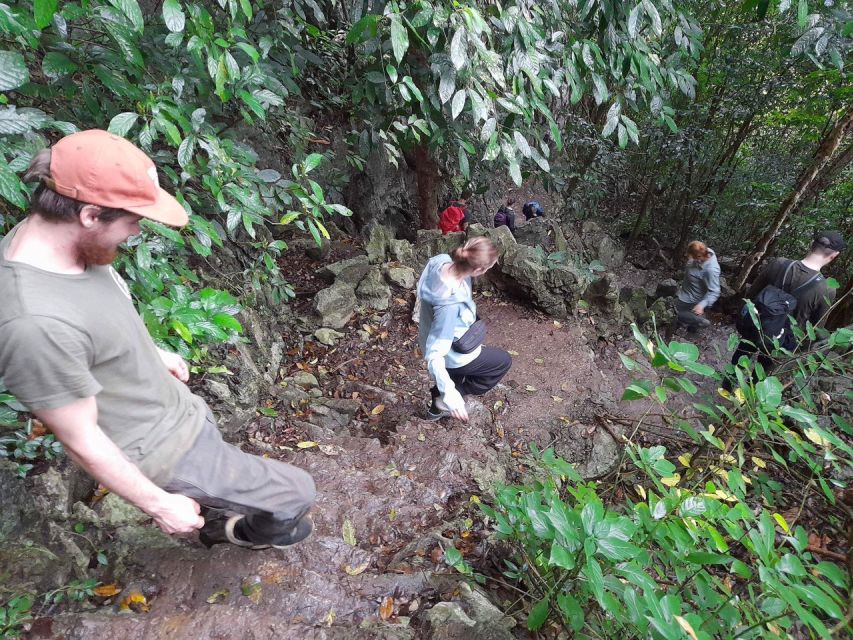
pixel 699 309
pixel 175 364
pixel 177 514
pixel 460 414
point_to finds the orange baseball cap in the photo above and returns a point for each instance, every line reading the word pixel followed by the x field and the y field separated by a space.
pixel 100 168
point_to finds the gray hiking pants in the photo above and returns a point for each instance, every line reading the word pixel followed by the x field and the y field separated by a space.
pixel 272 494
pixel 685 315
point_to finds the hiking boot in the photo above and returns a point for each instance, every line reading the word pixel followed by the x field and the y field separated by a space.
pixel 304 527
pixel 437 410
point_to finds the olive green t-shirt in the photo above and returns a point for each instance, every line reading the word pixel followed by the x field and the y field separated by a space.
pixel 812 302
pixel 64 337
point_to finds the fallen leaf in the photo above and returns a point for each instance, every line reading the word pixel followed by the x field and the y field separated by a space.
pixel 685 459
pixel 512 353
pixel 538 360
pixel 348 531
pixel 379 408
pixel 306 445
pixel 558 324
pixel 386 609
pixel 135 602
pixel 758 462
pixel 530 388
pixel 354 571
pixel 814 436
pixel 107 590
pixel 329 449
pixel 392 514
pixel 330 617
pixel 421 437
pixel 556 398
pixel 475 499
pixel 217 596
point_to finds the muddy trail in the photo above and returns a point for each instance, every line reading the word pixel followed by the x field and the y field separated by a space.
pixel 394 490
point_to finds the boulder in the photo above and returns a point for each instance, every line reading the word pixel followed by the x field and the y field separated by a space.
pixel 726 291
pixel 538 232
pixel 13 498
pixel 604 292
pixel 431 243
pixel 663 311
pixel 318 252
pixel 116 512
pixel 601 246
pixel 401 250
pixel 501 236
pixel 377 245
pixel 372 292
pixel 728 265
pixel 346 271
pixel 474 618
pixel 635 302
pixel 327 336
pixel 400 276
pixel 335 305
pixel 666 288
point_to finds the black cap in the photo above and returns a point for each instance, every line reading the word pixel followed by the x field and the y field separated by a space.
pixel 830 240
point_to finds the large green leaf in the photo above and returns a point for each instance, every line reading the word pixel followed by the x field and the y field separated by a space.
pixel 13 70
pixel 173 16
pixel 538 614
pixel 56 64
pixel 122 123
pixel 457 48
pixel 131 10
pixel 23 120
pixel 43 11
pixel 399 38
pixel 11 188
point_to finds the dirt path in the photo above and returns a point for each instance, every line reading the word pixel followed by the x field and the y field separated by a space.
pixel 394 490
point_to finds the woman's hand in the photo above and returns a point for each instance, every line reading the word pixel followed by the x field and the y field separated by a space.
pixel 699 309
pixel 175 364
pixel 460 414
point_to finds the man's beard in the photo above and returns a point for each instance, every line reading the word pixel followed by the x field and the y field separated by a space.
pixel 92 252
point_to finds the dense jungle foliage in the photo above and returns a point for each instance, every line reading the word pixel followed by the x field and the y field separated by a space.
pixel 668 119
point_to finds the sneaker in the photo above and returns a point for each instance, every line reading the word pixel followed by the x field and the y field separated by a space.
pixel 302 530
pixel 437 410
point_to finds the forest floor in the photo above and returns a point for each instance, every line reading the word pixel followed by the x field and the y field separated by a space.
pixel 395 491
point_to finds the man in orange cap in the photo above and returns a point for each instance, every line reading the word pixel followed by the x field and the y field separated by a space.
pixel 75 352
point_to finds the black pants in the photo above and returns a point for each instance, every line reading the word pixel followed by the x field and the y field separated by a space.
pixel 746 348
pixel 481 375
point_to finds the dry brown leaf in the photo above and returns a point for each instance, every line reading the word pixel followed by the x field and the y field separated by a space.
pixel 216 596
pixel 306 445
pixel 379 408
pixel 386 609
pixel 107 590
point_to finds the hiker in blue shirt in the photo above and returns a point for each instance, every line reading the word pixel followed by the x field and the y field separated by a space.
pixel 532 209
pixel 450 334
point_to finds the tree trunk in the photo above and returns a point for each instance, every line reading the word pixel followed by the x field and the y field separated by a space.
pixel 427 174
pixel 813 173
pixel 641 215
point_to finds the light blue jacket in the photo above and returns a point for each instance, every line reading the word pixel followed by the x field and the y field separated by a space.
pixel 445 315
pixel 701 282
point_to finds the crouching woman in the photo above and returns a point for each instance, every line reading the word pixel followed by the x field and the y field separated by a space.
pixel 450 334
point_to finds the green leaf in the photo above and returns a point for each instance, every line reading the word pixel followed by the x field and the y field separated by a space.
pixel 570 608
pixel 515 172
pixel 705 557
pixel 446 84
pixel 637 390
pixel 56 65
pixel 131 10
pixel 452 555
pixel 458 103
pixel 538 614
pixel 769 392
pixel 464 167
pixel 11 188
pixel 122 123
pixel 399 38
pixel 803 13
pixel 791 565
pixel 348 532
pixel 313 161
pixel 458 48
pixel 44 10
pixel 173 16
pixel 13 70
pixel 366 24
pixel 246 6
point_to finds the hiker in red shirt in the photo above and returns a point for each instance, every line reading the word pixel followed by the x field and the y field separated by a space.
pixel 455 216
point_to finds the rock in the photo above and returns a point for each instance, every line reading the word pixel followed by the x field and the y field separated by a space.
pixel 303 379
pixel 635 302
pixel 219 390
pixel 666 288
pixel 601 246
pixel 377 244
pixel 346 271
pixel 320 252
pixel 13 498
pixel 327 336
pixel 538 232
pixel 728 265
pixel 431 243
pixel 401 276
pixel 372 292
pixel 116 512
pixel 604 292
pixel 663 311
pixel 501 236
pixel 475 618
pixel 726 291
pixel 401 251
pixel 50 497
pixel 335 305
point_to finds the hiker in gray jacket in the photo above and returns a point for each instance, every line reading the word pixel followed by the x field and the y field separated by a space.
pixel 700 287
pixel 455 357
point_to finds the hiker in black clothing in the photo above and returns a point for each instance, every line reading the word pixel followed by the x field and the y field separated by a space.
pixel 532 209
pixel 803 281
pixel 505 215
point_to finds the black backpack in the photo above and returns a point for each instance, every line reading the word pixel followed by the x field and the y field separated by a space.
pixel 773 305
